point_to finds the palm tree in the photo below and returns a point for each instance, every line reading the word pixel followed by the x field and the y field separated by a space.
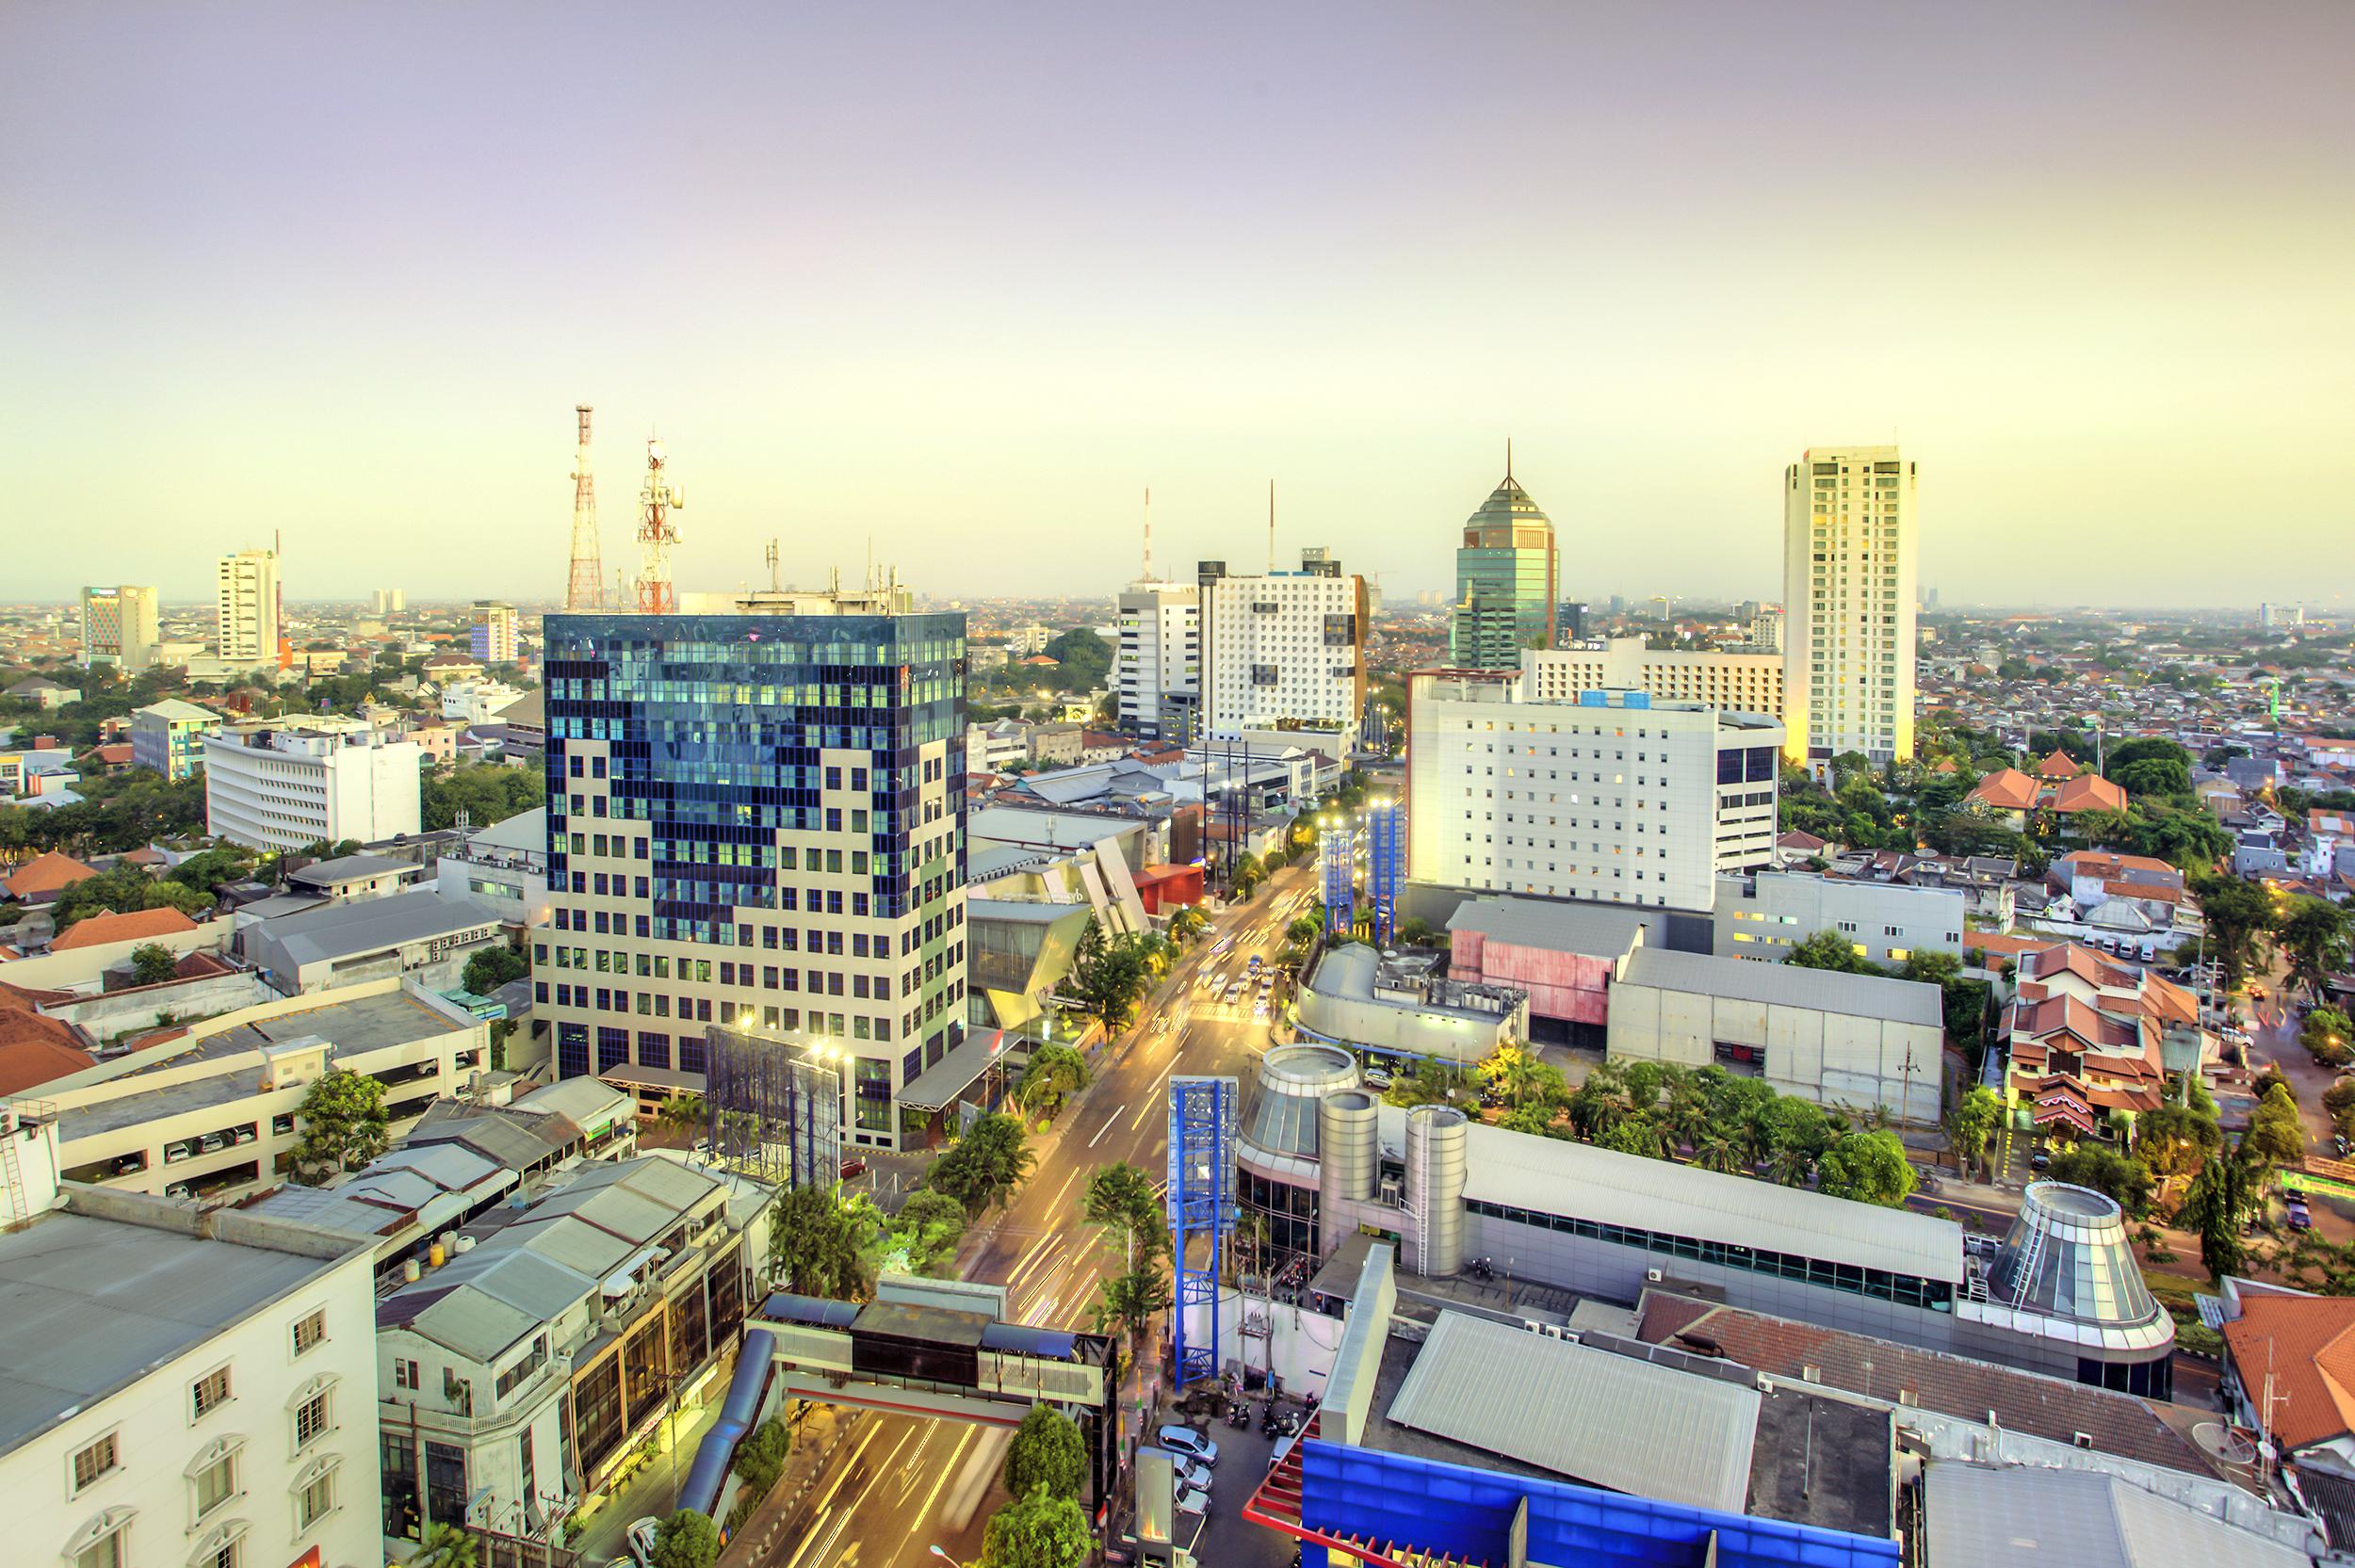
pixel 1600 1104
pixel 1791 1165
pixel 1714 1151
pixel 1187 924
pixel 445 1545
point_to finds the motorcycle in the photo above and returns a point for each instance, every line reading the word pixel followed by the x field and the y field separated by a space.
pixel 1238 1415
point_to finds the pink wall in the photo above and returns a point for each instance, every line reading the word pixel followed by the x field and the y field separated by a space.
pixel 1576 986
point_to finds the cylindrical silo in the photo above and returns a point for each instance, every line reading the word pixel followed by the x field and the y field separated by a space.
pixel 1350 1158
pixel 1434 1186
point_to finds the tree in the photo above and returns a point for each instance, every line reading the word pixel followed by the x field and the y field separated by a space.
pixel 1126 1301
pixel 824 1244
pixel 2217 1200
pixel 487 792
pixel 210 871
pixel 2328 1037
pixel 1046 1452
pixel 2274 1135
pixel 2175 1141
pixel 1052 1075
pixel 1188 923
pixel 927 1229
pixel 761 1458
pixel 982 1167
pixel 152 963
pixel 2312 934
pixel 344 1124
pixel 1415 932
pixel 1037 1530
pixel 492 967
pixel 1867 1167
pixel 686 1540
pixel 1521 1080
pixel 2104 1170
pixel 1973 1120
pixel 1637 1134
pixel 2235 912
pixel 1108 976
pixel 445 1545
pixel 1119 1200
pixel 1830 949
pixel 124 890
pixel 1303 929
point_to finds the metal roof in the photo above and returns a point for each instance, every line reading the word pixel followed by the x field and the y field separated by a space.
pixel 348 868
pixel 1787 985
pixel 1556 1176
pixel 1596 930
pixel 1585 1414
pixel 2027 1518
pixel 90 1305
pixel 368 924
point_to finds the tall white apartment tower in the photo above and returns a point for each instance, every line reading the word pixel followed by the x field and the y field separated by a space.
pixel 249 604
pixel 1850 542
pixel 1156 668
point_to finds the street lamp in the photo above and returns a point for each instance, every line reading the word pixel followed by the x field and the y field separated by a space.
pixel 944 1557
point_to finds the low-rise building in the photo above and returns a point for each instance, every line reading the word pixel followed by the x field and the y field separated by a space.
pixel 1765 915
pixel 290 784
pixel 517 1374
pixel 418 933
pixel 2089 1042
pixel 349 876
pixel 1358 997
pixel 184 1388
pixel 170 736
pixel 210 1110
pixel 504 865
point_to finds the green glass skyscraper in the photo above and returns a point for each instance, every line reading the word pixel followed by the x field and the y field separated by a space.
pixel 1505 579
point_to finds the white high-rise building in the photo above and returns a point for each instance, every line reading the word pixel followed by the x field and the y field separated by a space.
pixel 1284 652
pixel 287 785
pixel 120 627
pixel 1767 628
pixel 1744 679
pixel 1850 540
pixel 1156 666
pixel 1606 796
pixel 249 606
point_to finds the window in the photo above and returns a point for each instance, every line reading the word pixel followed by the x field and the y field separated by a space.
pixel 316 1501
pixel 405 1374
pixel 311 1420
pixel 308 1332
pixel 210 1391
pixel 216 1484
pixel 104 1552
pixel 99 1459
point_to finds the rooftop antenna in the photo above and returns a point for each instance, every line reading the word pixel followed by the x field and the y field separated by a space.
pixel 771 555
pixel 1148 534
pixel 657 533
pixel 1508 460
pixel 1271 525
pixel 585 589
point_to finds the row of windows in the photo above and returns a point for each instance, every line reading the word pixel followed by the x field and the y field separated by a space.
pixel 1882 1285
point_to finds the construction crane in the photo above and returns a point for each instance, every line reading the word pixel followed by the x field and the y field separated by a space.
pixel 657 534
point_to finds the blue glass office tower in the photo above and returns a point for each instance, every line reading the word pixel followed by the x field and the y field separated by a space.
pixel 759 820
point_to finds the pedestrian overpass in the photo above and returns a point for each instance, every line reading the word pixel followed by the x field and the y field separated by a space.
pixel 936 1348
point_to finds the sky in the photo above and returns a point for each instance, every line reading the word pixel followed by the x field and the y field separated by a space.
pixel 956 282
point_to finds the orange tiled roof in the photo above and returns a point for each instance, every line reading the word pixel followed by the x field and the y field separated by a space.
pixel 2313 1362
pixel 138 925
pixel 2105 863
pixel 2060 765
pixel 2005 789
pixel 48 873
pixel 2088 792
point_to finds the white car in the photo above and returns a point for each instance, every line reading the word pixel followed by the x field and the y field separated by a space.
pixel 641 1535
pixel 1190 1472
pixel 1189 1443
pixel 1194 1501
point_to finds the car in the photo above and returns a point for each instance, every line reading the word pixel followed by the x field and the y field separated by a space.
pixel 1192 1499
pixel 1254 963
pixel 853 1168
pixel 2039 1160
pixel 1190 1472
pixel 2301 1219
pixel 1259 1009
pixel 642 1534
pixel 1221 946
pixel 1377 1077
pixel 1188 1442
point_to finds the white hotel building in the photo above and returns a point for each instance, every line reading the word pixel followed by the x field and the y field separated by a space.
pixel 1284 652
pixel 1849 600
pixel 1606 795
pixel 288 785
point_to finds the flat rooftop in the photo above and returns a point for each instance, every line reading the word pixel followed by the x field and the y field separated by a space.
pixel 90 1305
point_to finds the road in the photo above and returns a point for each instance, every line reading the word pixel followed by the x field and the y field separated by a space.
pixel 892 1493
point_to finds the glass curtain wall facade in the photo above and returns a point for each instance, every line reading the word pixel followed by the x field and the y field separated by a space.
pixel 756 819
pixel 1505 583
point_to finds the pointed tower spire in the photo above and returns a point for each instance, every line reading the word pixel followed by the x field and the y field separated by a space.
pixel 1508 460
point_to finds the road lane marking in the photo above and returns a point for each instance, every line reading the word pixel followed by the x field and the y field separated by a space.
pixel 948 1468
pixel 1105 1127
pixel 826 1502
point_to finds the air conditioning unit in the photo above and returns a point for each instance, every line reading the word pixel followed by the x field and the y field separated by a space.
pixel 1533 1325
pixel 1651 1276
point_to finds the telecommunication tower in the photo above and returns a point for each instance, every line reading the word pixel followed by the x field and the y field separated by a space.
pixel 656 535
pixel 585 591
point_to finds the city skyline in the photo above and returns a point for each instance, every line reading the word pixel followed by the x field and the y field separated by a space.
pixel 989 289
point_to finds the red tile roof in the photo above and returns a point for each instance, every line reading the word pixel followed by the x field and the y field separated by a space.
pixel 2313 1362
pixel 35 1049
pixel 2088 792
pixel 138 925
pixel 2005 789
pixel 48 873
pixel 2060 765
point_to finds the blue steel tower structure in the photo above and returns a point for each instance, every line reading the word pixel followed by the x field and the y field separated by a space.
pixel 1202 1114
pixel 1386 862
pixel 1337 842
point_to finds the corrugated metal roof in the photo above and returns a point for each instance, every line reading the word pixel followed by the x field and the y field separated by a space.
pixel 2024 1517
pixel 1787 985
pixel 1588 1415
pixel 1556 1176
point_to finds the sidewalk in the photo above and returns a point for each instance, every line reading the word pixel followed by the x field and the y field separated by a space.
pixel 651 1491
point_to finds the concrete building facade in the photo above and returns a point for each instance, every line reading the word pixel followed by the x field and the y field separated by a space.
pixel 1747 680
pixel 289 784
pixel 492 631
pixel 169 736
pixel 1157 665
pixel 1285 651
pixel 1850 546
pixel 1763 914
pixel 1604 795
pixel 120 627
pixel 247 607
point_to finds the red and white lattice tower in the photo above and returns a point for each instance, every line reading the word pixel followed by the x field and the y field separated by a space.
pixel 656 535
pixel 585 591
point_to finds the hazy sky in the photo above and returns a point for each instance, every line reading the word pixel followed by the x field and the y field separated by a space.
pixel 966 277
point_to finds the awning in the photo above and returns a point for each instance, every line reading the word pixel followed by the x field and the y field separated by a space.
pixel 939 1085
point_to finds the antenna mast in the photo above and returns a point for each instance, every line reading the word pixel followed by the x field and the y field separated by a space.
pixel 1271 525
pixel 655 534
pixel 772 554
pixel 1148 534
pixel 584 590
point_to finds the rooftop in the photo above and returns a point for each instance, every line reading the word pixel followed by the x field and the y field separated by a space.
pixel 367 925
pixel 1568 926
pixel 1976 1516
pixel 345 869
pixel 97 931
pixel 1785 985
pixel 92 1300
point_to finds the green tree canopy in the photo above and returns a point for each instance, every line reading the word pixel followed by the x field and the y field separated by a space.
pixel 927 1229
pixel 2312 934
pixel 2104 1170
pixel 1119 1199
pixel 488 792
pixel 1053 1075
pixel 983 1168
pixel 2274 1135
pixel 686 1540
pixel 1830 949
pixel 152 963
pixel 343 1124
pixel 493 966
pixel 823 1243
pixel 1038 1529
pixel 1046 1452
pixel 2328 1037
pixel 122 891
pixel 1974 1119
pixel 2236 913
pixel 1867 1167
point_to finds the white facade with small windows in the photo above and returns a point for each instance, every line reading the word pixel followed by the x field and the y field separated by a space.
pixel 1284 652
pixel 1609 797
pixel 184 1389
pixel 1765 915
